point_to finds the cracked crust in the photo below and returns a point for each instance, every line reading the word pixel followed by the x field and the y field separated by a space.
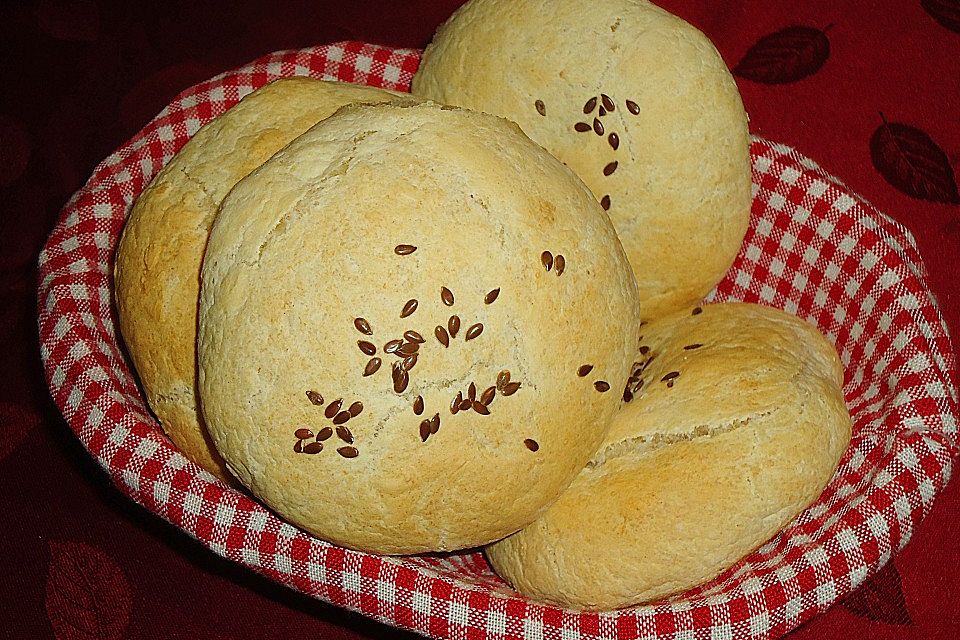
pixel 680 196
pixel 306 245
pixel 157 272
pixel 693 477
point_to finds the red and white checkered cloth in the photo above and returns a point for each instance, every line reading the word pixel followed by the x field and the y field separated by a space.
pixel 813 249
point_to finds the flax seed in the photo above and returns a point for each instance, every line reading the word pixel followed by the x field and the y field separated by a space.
pixel 363 326
pixel 447 296
pixel 333 408
pixel 372 366
pixel 488 395
pixel 455 405
pixel 392 346
pixel 400 384
pixel 409 308
pixel 546 258
pixel 408 349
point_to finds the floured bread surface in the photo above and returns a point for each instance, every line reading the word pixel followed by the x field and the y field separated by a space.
pixel 157 273
pixel 734 424
pixel 633 99
pixel 413 325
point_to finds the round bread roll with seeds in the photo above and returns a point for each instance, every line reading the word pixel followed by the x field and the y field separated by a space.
pixel 393 313
pixel 633 99
pixel 157 272
pixel 734 423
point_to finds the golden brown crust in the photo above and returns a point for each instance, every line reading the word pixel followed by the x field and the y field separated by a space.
pixel 321 249
pixel 693 476
pixel 159 255
pixel 679 191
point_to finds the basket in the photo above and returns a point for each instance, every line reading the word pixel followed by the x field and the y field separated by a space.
pixel 814 249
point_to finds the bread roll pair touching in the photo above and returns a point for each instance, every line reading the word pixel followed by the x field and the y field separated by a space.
pixel 408 327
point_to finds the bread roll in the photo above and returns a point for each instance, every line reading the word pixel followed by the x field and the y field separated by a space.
pixel 734 425
pixel 393 313
pixel 633 99
pixel 157 273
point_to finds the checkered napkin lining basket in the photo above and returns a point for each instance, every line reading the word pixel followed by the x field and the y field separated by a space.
pixel 813 249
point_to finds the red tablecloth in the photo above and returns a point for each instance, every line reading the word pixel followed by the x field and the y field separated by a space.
pixel 871 90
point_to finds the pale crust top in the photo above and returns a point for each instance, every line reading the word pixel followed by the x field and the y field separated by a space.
pixel 304 256
pixel 738 425
pixel 158 258
pixel 679 193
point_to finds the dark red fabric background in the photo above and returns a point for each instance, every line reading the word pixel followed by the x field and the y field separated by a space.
pixel 79 77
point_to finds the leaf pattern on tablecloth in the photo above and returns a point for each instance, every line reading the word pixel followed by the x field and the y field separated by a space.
pixel 946 12
pixel 87 596
pixel 16 421
pixel 913 163
pixel 880 598
pixel 788 55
